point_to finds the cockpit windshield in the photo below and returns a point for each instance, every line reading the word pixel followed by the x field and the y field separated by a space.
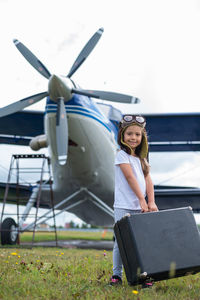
pixel 110 112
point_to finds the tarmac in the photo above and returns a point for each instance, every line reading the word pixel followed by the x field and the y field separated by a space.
pixel 80 244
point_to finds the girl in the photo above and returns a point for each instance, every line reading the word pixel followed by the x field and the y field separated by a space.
pixel 132 179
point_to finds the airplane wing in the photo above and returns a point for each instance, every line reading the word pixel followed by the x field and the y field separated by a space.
pixel 166 132
pixel 24 193
pixel 168 197
pixel 20 194
pixel 19 128
pixel 173 132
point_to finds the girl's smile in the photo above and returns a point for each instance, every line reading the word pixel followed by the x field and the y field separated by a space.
pixel 133 136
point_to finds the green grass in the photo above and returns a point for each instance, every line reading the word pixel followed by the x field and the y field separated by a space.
pixel 66 235
pixel 53 273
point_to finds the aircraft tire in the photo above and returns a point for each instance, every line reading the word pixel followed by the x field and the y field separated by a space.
pixel 9 233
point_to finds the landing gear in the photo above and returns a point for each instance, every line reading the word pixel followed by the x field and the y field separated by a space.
pixel 9 232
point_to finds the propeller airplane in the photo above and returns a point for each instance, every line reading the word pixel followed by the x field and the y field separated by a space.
pixel 81 136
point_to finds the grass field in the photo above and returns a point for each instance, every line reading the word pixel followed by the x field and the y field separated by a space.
pixel 67 235
pixel 52 273
pixel 55 273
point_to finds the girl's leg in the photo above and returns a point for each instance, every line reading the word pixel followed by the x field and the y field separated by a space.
pixel 117 261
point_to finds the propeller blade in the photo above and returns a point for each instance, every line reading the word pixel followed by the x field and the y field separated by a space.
pixel 86 51
pixel 104 95
pixel 61 132
pixel 32 59
pixel 21 104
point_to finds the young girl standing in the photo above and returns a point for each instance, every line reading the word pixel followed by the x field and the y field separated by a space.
pixel 132 179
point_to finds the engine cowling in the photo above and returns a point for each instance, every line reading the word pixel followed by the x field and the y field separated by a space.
pixel 38 142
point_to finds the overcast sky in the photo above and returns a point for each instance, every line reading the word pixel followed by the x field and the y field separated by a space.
pixel 149 49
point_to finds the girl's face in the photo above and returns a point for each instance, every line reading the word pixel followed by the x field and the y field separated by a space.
pixel 133 136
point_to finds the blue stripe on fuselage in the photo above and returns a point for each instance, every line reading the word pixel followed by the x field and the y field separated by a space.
pixel 83 105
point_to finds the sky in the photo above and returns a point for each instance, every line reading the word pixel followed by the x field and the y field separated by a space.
pixel 149 49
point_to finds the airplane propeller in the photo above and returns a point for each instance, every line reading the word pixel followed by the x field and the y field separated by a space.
pixel 110 96
pixel 32 59
pixel 21 104
pixel 61 131
pixel 61 90
pixel 85 51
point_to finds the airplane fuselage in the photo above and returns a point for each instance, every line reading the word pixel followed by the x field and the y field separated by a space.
pixel 90 162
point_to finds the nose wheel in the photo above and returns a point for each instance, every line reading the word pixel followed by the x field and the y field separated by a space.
pixel 9 232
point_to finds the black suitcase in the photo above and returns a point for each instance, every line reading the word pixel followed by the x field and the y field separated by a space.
pixel 159 245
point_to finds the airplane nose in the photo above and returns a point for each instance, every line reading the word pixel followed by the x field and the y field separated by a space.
pixel 53 79
pixel 59 87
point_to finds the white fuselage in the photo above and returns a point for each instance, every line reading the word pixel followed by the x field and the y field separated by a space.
pixel 90 162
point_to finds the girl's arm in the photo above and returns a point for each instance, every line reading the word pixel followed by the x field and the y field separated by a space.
pixel 150 194
pixel 132 181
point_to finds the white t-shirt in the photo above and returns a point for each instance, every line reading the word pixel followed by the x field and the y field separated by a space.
pixel 124 195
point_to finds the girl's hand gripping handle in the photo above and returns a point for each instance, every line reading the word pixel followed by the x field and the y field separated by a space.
pixel 144 206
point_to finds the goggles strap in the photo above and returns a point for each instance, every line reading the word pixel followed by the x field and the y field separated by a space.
pixel 132 152
pixel 126 124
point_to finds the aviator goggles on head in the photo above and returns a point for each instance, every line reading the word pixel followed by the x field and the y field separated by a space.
pixel 128 119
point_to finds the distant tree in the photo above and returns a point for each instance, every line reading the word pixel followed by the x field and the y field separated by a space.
pixel 84 225
pixel 94 226
pixel 72 224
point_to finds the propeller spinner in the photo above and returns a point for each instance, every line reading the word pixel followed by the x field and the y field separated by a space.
pixel 60 90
